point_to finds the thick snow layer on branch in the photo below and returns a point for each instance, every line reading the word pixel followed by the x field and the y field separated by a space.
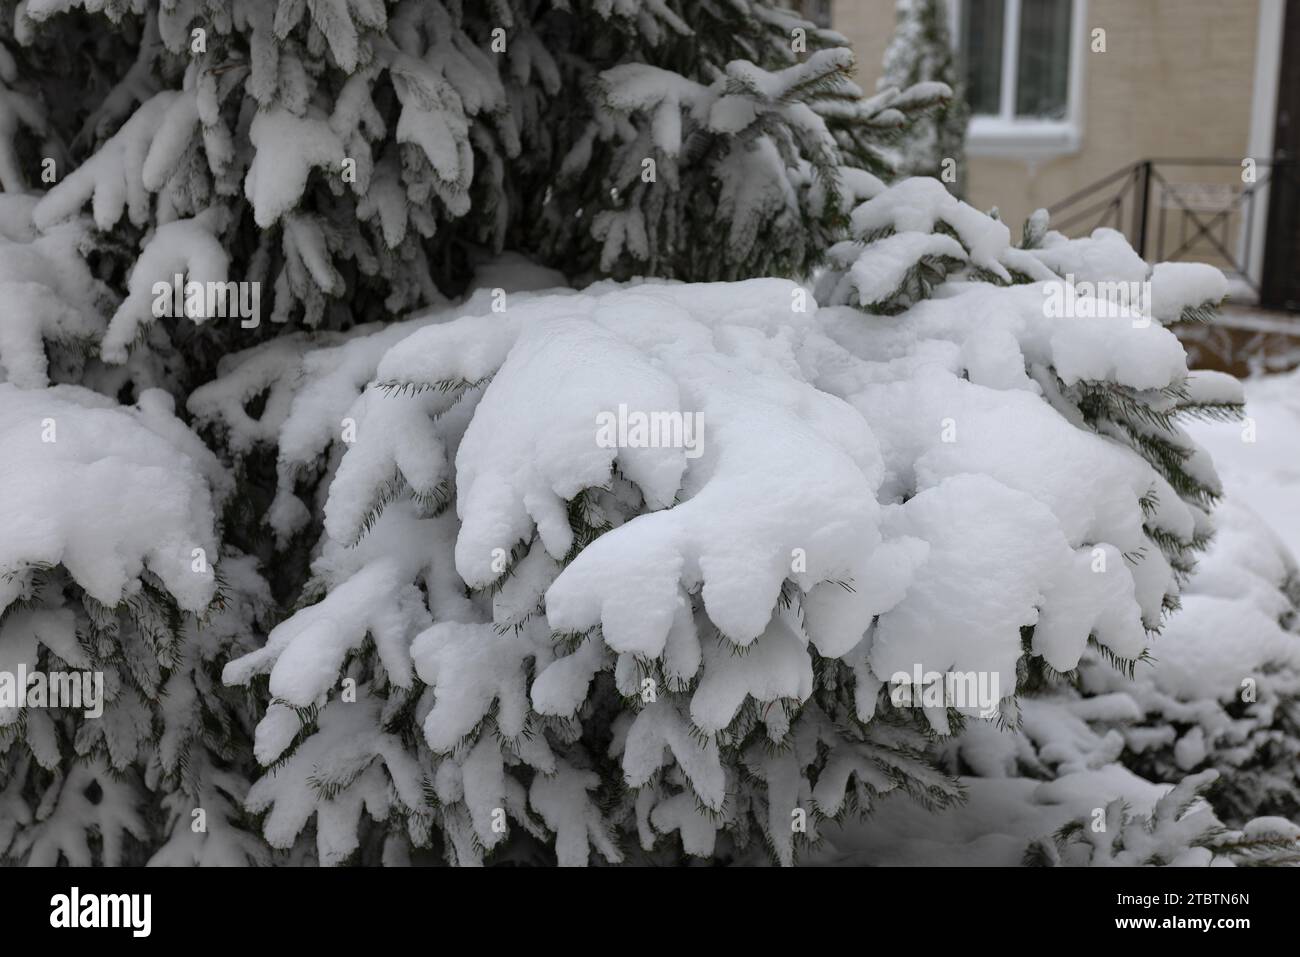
pixel 1179 286
pixel 1105 256
pixel 1228 663
pixel 49 293
pixel 187 248
pixel 877 277
pixel 111 179
pixel 288 148
pixel 106 492
pixel 917 205
pixel 337 775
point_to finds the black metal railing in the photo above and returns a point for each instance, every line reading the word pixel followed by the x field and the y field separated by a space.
pixel 1170 218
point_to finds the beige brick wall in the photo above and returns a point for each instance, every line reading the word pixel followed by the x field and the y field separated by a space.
pixel 1176 80
pixel 868 24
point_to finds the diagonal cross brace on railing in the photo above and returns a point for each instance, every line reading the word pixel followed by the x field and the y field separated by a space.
pixel 1133 184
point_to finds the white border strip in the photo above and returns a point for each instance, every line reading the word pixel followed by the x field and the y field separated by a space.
pixel 1263 120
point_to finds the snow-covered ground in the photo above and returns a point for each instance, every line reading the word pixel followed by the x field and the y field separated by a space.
pixel 1258 461
pixel 1263 473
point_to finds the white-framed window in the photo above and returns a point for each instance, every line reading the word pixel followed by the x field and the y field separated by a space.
pixel 1022 64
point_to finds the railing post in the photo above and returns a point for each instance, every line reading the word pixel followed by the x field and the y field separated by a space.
pixel 1141 211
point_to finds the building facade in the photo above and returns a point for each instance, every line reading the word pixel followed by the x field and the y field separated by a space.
pixel 1163 118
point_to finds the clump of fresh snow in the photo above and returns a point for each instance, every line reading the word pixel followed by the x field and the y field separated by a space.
pixel 50 294
pixel 1179 286
pixel 1104 256
pixel 111 180
pixel 188 248
pixel 109 493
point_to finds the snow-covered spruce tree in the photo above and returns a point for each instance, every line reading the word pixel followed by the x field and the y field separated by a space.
pixel 1188 760
pixel 1224 692
pixel 921 54
pixel 912 238
pixel 107 580
pixel 516 629
pixel 716 132
pixel 522 636
pixel 623 705
pixel 1207 700
pixel 353 161
pixel 356 158
pixel 1180 831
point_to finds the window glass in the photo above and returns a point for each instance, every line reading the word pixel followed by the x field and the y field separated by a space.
pixel 981 46
pixel 1043 66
